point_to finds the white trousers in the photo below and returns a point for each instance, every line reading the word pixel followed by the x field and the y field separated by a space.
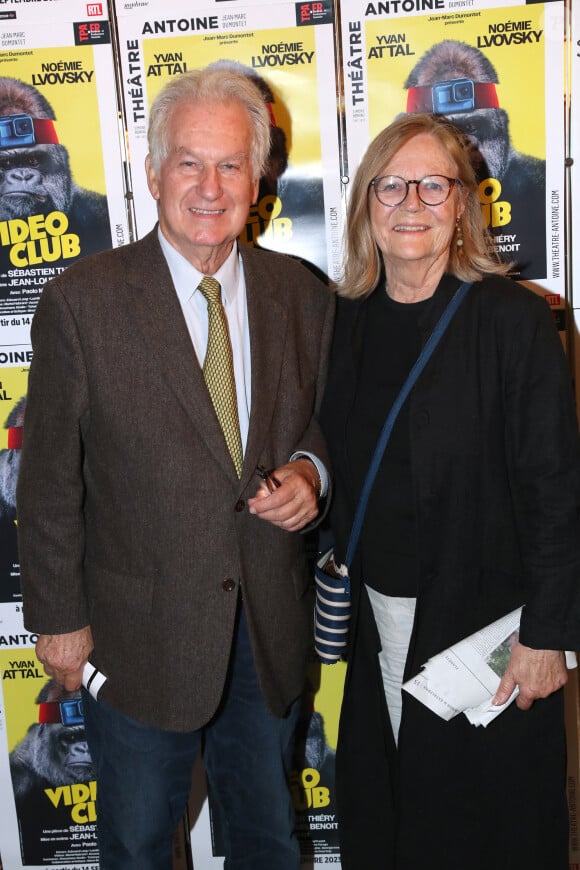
pixel 394 618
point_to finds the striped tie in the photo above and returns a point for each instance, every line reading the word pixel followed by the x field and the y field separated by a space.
pixel 218 370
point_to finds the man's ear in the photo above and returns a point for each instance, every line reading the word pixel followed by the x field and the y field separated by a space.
pixel 256 188
pixel 152 182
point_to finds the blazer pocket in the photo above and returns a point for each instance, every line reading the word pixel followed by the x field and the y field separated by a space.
pixel 303 578
pixel 125 592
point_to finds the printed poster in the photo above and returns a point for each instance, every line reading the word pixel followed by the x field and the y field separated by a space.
pixel 312 781
pixel 288 48
pixel 61 168
pixel 48 815
pixel 13 388
pixel 495 71
pixel 312 776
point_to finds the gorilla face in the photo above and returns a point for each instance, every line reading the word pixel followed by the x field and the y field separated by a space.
pixel 59 754
pixel 10 464
pixel 487 128
pixel 34 180
pixel 276 163
pixel 488 133
pixel 50 754
pixel 9 469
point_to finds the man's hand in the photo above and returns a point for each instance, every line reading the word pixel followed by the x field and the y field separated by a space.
pixel 537 673
pixel 65 655
pixel 295 503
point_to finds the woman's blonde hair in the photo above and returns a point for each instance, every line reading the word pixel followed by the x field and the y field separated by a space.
pixel 363 260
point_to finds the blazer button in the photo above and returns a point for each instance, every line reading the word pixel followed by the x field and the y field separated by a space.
pixel 228 585
pixel 240 505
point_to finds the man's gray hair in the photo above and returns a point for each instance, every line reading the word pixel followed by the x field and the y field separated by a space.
pixel 215 85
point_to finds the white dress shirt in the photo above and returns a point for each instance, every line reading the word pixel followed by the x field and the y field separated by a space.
pixel 230 275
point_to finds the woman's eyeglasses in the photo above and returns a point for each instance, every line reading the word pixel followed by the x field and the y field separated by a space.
pixel 392 190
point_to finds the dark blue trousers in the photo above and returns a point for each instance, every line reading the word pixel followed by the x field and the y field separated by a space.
pixel 144 777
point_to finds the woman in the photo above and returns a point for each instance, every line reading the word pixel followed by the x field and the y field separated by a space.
pixel 474 512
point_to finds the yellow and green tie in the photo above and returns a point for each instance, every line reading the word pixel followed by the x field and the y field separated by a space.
pixel 218 370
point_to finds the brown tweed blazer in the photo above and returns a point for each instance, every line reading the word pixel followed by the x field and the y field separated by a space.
pixel 130 514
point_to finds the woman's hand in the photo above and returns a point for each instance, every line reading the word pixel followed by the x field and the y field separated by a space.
pixel 536 672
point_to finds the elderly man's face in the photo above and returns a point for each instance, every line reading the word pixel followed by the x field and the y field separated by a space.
pixel 205 187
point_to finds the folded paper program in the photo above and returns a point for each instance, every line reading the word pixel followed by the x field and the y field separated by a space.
pixel 465 677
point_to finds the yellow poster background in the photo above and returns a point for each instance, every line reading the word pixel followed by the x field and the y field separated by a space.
pixel 520 67
pixel 76 106
pixel 328 698
pixel 13 386
pixel 295 87
pixel 20 692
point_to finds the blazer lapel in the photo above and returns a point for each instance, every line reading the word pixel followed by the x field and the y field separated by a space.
pixel 156 309
pixel 268 323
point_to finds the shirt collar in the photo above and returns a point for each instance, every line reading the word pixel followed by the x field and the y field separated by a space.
pixel 185 276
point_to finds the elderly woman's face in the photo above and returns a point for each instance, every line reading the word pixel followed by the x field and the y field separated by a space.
pixel 412 231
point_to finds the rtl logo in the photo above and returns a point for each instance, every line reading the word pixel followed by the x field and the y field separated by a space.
pixel 95 9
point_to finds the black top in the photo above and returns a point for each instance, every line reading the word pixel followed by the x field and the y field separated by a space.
pixel 391 345
pixel 494 443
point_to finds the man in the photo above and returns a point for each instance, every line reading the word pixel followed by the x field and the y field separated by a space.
pixel 143 545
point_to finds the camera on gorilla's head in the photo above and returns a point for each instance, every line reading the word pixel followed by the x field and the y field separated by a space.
pixel 456 95
pixel 16 131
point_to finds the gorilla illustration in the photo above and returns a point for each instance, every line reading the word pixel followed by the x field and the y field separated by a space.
pixel 10 464
pixel 51 753
pixel 487 126
pixel 35 174
pixel 457 80
pixel 313 776
pixel 301 195
pixel 312 749
pixel 277 162
pixel 9 468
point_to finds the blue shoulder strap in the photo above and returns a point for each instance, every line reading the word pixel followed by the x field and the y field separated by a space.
pixel 418 367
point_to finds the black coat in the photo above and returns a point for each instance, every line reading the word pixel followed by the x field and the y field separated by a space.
pixel 496 477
